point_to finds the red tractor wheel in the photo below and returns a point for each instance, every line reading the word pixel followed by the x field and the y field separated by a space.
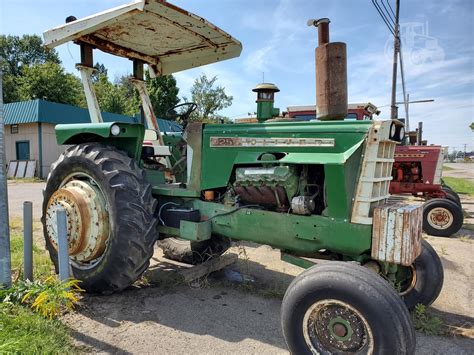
pixel 442 217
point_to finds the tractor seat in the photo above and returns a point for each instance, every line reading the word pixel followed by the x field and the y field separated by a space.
pixel 151 145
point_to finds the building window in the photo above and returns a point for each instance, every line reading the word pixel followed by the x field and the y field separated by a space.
pixel 14 129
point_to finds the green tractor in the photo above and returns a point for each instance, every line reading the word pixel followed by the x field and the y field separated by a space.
pixel 314 190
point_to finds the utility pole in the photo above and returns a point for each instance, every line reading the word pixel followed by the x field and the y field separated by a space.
pixel 407 120
pixel 5 262
pixel 396 49
pixel 407 103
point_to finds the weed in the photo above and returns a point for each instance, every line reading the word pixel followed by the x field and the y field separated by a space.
pixel 427 323
pixel 48 298
pixel 143 281
pixel 443 251
pixel 242 253
pixel 465 239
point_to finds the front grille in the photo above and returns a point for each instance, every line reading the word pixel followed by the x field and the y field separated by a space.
pixel 376 173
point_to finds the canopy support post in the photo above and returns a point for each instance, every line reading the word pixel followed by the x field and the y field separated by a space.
pixel 137 80
pixel 86 68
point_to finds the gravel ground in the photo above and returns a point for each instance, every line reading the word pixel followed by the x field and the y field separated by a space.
pixel 461 170
pixel 220 315
pixel 19 192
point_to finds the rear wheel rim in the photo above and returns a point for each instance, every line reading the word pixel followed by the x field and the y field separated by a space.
pixel 408 278
pixel 440 218
pixel 336 327
pixel 88 222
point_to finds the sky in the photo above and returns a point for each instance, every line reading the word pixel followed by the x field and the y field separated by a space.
pixel 437 42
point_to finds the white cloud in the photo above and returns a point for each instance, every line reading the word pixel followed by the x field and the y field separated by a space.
pixel 257 61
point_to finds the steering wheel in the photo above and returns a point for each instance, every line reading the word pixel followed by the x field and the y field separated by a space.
pixel 182 111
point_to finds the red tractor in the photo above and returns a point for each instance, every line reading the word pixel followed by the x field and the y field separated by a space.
pixel 417 171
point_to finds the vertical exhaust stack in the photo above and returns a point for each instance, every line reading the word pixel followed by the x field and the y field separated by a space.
pixel 331 75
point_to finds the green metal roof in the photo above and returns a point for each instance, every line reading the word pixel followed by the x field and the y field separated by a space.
pixel 51 112
pixel 164 125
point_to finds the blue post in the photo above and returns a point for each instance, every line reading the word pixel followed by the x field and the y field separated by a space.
pixel 63 254
pixel 28 240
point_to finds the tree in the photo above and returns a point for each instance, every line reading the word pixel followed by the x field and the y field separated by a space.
pixel 17 53
pixel 163 93
pixel 131 99
pixel 162 90
pixel 100 69
pixel 209 98
pixel 50 82
pixel 110 96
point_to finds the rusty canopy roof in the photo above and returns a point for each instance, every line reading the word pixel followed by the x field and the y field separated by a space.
pixel 166 37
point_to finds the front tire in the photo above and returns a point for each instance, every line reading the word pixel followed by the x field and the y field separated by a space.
pixel 340 307
pixel 111 228
pixel 451 195
pixel 193 253
pixel 425 278
pixel 442 217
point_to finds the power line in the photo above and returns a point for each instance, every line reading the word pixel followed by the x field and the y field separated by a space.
pixel 405 98
pixel 385 17
pixel 390 6
pixel 392 19
pixel 393 26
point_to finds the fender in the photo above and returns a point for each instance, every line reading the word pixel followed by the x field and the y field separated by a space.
pixel 128 139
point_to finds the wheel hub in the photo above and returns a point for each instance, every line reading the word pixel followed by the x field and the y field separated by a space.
pixel 336 327
pixel 408 277
pixel 440 218
pixel 87 220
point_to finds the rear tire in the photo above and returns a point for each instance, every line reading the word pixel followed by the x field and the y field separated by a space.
pixel 442 217
pixel 193 253
pixel 340 307
pixel 128 210
pixel 426 281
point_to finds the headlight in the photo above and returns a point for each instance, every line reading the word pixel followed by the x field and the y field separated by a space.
pixel 401 134
pixel 393 131
pixel 115 130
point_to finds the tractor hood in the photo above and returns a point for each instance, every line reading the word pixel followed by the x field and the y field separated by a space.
pixel 166 37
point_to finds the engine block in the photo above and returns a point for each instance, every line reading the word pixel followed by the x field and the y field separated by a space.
pixel 274 185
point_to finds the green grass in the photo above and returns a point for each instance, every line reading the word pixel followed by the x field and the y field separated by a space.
pixel 25 332
pixel 461 186
pixel 25 180
pixel 21 329
pixel 42 265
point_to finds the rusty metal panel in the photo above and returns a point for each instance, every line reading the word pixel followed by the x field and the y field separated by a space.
pixel 396 233
pixel 166 37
